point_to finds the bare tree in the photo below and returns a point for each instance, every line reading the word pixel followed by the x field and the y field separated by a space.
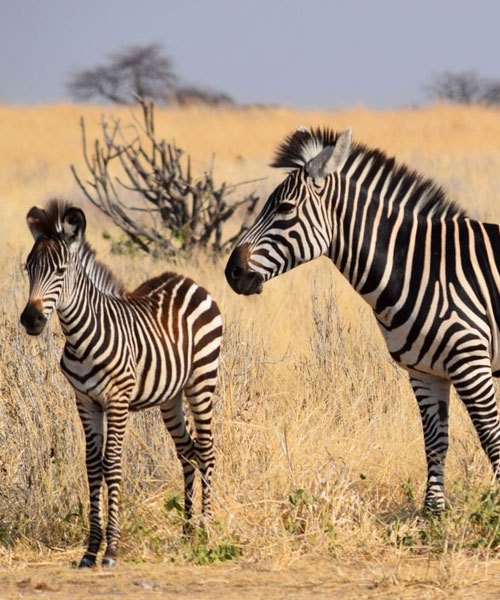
pixel 179 212
pixel 136 70
pixel 491 93
pixel 195 95
pixel 462 87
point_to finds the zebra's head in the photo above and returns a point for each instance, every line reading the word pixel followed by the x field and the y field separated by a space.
pixel 58 231
pixel 290 229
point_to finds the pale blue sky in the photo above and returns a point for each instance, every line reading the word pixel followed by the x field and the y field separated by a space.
pixel 305 53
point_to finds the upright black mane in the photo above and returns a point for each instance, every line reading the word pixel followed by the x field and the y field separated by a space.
pixel 49 219
pixel 427 196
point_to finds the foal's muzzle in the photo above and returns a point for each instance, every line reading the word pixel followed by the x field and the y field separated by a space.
pixel 33 320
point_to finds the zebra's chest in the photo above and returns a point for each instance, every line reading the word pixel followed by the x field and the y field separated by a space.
pixel 101 380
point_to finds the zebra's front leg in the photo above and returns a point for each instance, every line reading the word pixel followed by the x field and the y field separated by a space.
pixel 173 417
pixel 117 415
pixel 433 397
pixel 476 390
pixel 92 419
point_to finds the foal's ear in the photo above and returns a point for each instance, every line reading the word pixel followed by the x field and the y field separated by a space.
pixel 35 218
pixel 74 224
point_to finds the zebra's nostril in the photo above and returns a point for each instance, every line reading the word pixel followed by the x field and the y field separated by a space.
pixel 236 272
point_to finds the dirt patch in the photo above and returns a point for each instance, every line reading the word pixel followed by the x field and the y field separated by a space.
pixel 407 578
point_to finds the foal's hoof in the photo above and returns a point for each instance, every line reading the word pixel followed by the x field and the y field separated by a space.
pixel 107 561
pixel 87 562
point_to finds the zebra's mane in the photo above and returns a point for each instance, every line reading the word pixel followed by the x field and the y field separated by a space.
pixel 49 223
pixel 427 196
pixel 100 275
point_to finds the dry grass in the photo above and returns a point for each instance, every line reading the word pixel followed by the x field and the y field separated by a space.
pixel 319 446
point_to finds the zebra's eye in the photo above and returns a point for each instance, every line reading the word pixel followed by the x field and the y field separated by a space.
pixel 285 207
pixel 60 271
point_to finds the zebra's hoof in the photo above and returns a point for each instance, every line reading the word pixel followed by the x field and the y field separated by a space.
pixel 107 562
pixel 87 562
pixel 188 530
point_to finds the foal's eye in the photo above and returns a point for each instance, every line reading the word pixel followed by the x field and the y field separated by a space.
pixel 60 271
pixel 285 207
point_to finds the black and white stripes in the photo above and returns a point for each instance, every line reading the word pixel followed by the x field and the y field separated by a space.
pixel 124 352
pixel 431 274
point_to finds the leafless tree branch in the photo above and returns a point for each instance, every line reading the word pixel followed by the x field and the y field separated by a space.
pixel 180 212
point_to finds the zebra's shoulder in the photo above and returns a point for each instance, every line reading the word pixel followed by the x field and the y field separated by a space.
pixel 155 284
pixel 174 292
pixel 168 283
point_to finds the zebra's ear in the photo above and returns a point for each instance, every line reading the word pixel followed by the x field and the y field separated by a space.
pixel 74 224
pixel 331 158
pixel 35 219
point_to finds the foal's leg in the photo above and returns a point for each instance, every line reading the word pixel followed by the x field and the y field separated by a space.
pixel 117 415
pixel 199 395
pixel 433 395
pixel 173 416
pixel 91 416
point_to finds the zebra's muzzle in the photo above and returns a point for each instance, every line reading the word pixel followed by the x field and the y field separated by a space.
pixel 33 320
pixel 239 276
pixel 244 282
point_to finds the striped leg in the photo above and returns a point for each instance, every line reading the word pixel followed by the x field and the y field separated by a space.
pixel 199 395
pixel 433 395
pixel 173 416
pixel 475 388
pixel 92 420
pixel 117 416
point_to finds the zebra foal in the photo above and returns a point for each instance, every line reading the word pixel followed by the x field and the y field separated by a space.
pixel 124 352
pixel 430 273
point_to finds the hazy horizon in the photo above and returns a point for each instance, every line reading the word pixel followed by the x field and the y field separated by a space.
pixel 316 55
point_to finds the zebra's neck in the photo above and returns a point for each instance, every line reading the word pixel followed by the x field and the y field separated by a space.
pixel 91 288
pixel 380 215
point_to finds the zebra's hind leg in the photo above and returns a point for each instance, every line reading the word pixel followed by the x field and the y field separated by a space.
pixel 92 419
pixel 173 417
pixel 117 416
pixel 433 395
pixel 199 396
pixel 476 390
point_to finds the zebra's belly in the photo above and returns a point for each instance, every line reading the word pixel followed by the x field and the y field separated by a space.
pixel 427 350
pixel 142 388
pixel 431 349
pixel 153 391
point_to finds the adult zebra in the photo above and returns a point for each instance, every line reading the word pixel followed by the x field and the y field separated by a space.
pixel 430 273
pixel 124 352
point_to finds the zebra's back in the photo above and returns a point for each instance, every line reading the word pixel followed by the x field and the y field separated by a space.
pixel 177 334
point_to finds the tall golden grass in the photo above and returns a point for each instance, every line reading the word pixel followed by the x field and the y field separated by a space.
pixel 319 444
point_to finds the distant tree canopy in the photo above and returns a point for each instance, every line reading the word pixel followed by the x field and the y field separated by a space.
pixel 464 87
pixel 195 95
pixel 138 71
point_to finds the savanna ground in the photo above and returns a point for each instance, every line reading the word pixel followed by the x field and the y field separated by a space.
pixel 320 463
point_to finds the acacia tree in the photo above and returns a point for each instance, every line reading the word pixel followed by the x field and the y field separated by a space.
pixel 142 71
